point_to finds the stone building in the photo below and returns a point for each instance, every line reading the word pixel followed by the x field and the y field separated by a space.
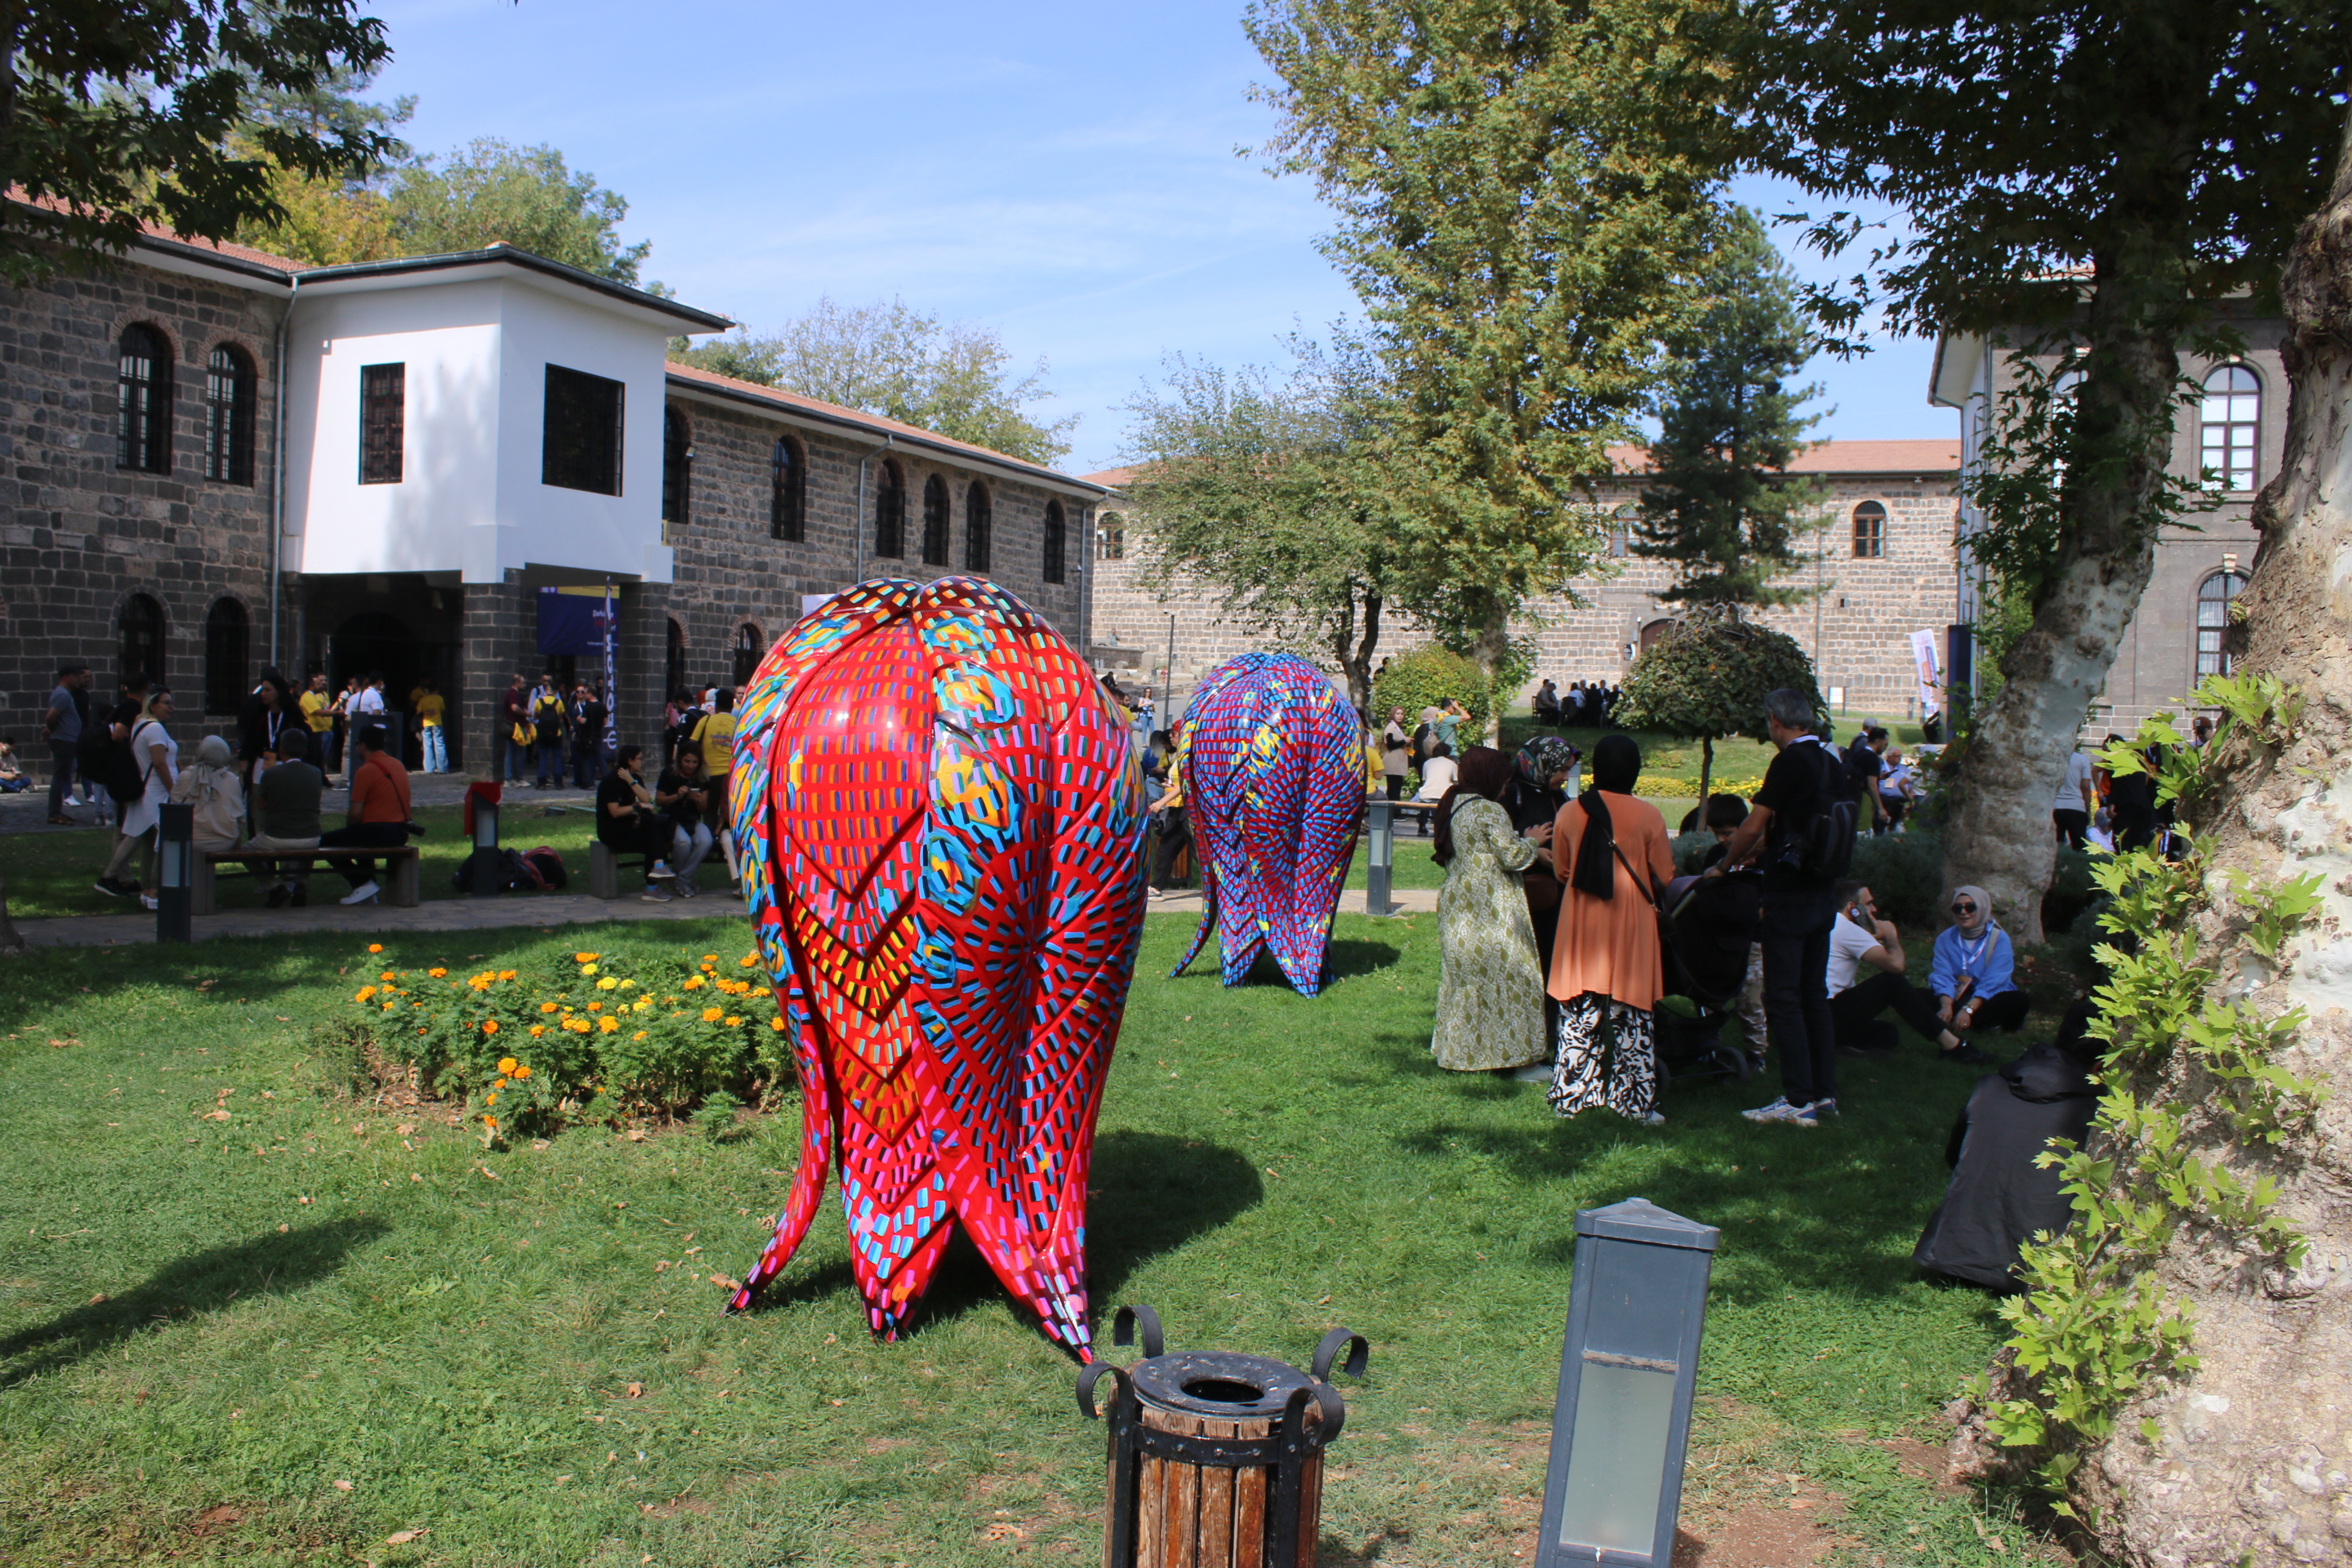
pixel 223 460
pixel 1881 557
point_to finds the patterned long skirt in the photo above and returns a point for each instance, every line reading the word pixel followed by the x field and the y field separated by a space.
pixel 1608 1057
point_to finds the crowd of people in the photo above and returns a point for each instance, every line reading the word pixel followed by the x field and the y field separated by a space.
pixel 1585 704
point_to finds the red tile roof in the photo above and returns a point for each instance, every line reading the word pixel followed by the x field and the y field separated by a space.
pixel 228 248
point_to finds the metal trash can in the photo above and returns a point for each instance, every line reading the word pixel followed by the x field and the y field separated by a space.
pixel 1216 1459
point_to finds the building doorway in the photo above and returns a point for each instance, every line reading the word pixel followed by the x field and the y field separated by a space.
pixel 375 642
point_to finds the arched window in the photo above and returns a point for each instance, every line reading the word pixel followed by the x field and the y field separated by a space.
pixel 1110 537
pixel 890 512
pixel 935 521
pixel 677 465
pixel 1056 539
pixel 748 646
pixel 1869 530
pixel 226 639
pixel 141 631
pixel 2227 427
pixel 975 527
pixel 2213 596
pixel 788 490
pixel 1621 530
pixel 674 661
pixel 229 417
pixel 142 430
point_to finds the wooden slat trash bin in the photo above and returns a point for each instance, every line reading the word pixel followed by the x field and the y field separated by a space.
pixel 1216 1459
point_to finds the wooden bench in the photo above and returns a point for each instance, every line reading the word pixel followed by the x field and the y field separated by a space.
pixel 399 879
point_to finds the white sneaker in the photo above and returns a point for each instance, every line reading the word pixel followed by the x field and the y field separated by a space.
pixel 1655 1118
pixel 147 901
pixel 366 893
pixel 659 871
pixel 1779 1110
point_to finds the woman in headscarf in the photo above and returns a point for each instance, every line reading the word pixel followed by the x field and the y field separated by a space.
pixel 1971 973
pixel 1490 1016
pixel 214 787
pixel 1609 849
pixel 1541 777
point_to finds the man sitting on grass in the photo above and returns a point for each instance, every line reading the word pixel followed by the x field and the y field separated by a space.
pixel 1857 938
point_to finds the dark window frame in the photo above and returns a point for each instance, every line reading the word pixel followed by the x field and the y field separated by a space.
pixel 936 521
pixel 231 385
pixel 228 654
pixel 788 490
pixel 890 512
pixel 1057 533
pixel 978 525
pixel 384 422
pixel 2229 428
pixel 142 413
pixel 677 465
pixel 747 648
pixel 1869 519
pixel 1110 536
pixel 581 433
pixel 2210 634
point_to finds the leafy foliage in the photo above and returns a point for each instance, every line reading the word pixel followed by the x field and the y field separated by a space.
pixel 1721 504
pixel 1524 188
pixel 1709 676
pixel 1426 677
pixel 1264 489
pixel 115 114
pixel 527 196
pixel 953 378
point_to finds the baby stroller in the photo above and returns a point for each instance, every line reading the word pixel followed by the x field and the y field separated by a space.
pixel 1704 927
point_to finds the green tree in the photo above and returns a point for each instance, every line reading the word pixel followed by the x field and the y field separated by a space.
pixel 1266 489
pixel 114 113
pixel 1708 677
pixel 338 217
pixel 2088 177
pixel 1525 188
pixel 954 378
pixel 1721 503
pixel 527 196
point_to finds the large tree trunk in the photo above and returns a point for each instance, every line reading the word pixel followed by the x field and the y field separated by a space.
pixel 2252 1451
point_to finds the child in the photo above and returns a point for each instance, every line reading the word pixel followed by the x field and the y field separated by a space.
pixel 12 777
pixel 1725 813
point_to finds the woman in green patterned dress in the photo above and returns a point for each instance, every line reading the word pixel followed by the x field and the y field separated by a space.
pixel 1490 991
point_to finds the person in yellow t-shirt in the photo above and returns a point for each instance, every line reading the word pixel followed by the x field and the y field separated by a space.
pixel 432 710
pixel 714 736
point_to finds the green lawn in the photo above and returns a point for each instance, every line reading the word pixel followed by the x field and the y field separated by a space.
pixel 292 1334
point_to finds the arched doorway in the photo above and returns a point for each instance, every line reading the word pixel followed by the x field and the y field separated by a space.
pixel 748 648
pixel 1654 630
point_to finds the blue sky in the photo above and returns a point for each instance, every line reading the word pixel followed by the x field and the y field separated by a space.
pixel 1065 174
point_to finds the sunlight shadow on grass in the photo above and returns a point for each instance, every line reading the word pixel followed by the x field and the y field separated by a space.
pixel 270 1264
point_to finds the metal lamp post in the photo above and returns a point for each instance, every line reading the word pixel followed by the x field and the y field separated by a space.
pixel 175 873
pixel 1635 1313
pixel 482 820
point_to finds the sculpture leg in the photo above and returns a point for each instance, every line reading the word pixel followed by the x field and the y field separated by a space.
pixel 816 1147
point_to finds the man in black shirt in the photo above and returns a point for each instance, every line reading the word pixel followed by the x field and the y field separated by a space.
pixel 1799 907
pixel 1866 762
pixel 627 824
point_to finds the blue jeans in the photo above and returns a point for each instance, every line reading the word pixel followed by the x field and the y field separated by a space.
pixel 689 849
pixel 436 749
pixel 551 764
pixel 61 776
pixel 517 755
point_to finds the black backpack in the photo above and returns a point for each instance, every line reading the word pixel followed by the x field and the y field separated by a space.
pixel 1821 848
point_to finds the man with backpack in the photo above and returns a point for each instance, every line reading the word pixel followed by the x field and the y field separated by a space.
pixel 1800 829
pixel 107 764
pixel 549 722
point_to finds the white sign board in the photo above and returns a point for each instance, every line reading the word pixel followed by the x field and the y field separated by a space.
pixel 1924 657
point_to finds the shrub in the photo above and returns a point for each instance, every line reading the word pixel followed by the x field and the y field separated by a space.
pixel 1424 678
pixel 2072 889
pixel 1906 870
pixel 568 1041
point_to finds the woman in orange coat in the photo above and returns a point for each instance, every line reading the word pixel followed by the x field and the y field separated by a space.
pixel 1606 971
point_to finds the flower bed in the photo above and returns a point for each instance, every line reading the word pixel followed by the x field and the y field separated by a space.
pixel 567 1040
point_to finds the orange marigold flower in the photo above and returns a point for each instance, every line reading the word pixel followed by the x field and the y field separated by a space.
pixel 583 958
pixel 610 1025
pixel 595 1007
pixel 375 947
pixel 489 1026
pixel 694 983
pixel 547 1007
pixel 777 1024
pixel 490 1120
pixel 366 993
pixel 749 961
pixel 537 1030
pixel 438 973
pixel 639 1035
pixel 389 974
pixel 712 1014
pixel 734 1022
pixel 523 1069
pixel 506 974
pixel 709 958
pixel 491 1097
pixel 506 1064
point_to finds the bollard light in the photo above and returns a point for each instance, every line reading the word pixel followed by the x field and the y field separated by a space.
pixel 175 872
pixel 1215 1458
pixel 1379 828
pixel 1635 1313
pixel 482 826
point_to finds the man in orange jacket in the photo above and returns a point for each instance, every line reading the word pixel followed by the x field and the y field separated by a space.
pixel 379 815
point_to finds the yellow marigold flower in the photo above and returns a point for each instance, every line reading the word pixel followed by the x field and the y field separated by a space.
pixel 777 1024
pixel 375 947
pixel 639 1035
pixel 712 1014
pixel 506 974
pixel 523 1069
pixel 506 1064
pixel 583 958
pixel 626 985
pixel 610 1025
pixel 607 983
pixel 367 994
pixel 587 969
pixel 387 1007
pixel 641 1004
pixel 547 1007
pixel 438 973
pixel 709 958
pixel 537 1030
pixel 479 983
pixel 489 1026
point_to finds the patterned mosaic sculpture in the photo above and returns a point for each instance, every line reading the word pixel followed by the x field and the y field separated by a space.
pixel 1273 790
pixel 941 826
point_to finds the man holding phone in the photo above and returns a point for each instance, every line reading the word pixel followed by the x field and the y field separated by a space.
pixel 1861 939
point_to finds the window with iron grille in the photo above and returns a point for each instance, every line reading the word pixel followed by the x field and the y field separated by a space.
pixel 383 399
pixel 1056 532
pixel 229 417
pixel 1869 530
pixel 788 490
pixel 890 512
pixel 227 639
pixel 935 521
pixel 580 444
pixel 2213 596
pixel 1110 537
pixel 142 430
pixel 975 529
pixel 2229 425
pixel 1621 530
pixel 677 465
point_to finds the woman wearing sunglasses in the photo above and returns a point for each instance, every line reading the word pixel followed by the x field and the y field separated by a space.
pixel 1971 972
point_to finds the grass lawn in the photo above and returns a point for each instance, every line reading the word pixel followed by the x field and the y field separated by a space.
pixel 292 1333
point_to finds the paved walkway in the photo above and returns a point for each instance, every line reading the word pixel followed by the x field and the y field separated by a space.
pixel 541 911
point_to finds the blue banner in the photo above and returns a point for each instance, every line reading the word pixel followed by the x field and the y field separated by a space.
pixel 573 622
